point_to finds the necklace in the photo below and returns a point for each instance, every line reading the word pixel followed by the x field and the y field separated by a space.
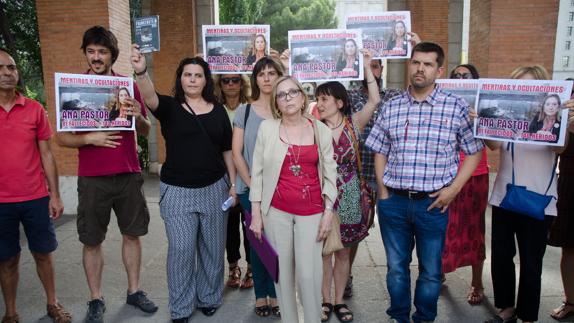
pixel 295 166
pixel 340 123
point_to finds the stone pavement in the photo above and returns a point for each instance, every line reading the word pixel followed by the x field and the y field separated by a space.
pixel 369 302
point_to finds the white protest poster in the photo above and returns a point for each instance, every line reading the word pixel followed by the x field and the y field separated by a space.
pixel 234 48
pixel 522 111
pixel 326 55
pixel 384 33
pixel 92 102
pixel 466 89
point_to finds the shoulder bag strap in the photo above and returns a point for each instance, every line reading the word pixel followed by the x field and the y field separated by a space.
pixel 247 110
pixel 510 146
pixel 218 155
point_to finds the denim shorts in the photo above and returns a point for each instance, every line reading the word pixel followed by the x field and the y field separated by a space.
pixel 38 227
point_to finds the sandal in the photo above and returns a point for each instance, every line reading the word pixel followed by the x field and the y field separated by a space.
pixel 234 280
pixel 475 296
pixel 327 310
pixel 263 310
pixel 275 311
pixel 11 319
pixel 343 316
pixel 58 313
pixel 562 312
pixel 247 280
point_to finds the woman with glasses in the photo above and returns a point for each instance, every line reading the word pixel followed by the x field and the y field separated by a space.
pixel 293 186
pixel 245 126
pixel 233 90
pixel 464 244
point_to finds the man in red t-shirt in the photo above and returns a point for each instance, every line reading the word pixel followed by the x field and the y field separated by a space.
pixel 26 163
pixel 109 177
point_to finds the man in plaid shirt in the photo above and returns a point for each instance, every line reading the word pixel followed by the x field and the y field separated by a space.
pixel 417 138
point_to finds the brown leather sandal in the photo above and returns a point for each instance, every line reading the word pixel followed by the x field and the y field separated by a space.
pixel 11 319
pixel 59 314
pixel 247 280
pixel 234 280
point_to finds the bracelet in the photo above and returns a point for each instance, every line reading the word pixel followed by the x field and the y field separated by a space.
pixel 232 184
pixel 141 73
pixel 328 207
pixel 368 82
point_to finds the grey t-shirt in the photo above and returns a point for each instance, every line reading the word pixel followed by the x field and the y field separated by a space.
pixel 249 138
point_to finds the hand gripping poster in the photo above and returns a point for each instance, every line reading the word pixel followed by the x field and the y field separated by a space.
pixel 234 49
pixel 326 55
pixel 384 33
pixel 522 111
pixel 93 102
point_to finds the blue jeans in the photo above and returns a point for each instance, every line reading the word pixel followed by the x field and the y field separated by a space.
pixel 263 284
pixel 402 222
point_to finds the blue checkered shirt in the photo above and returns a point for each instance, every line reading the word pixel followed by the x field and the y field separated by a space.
pixel 357 99
pixel 422 140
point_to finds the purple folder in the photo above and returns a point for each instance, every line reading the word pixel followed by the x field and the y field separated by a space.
pixel 264 250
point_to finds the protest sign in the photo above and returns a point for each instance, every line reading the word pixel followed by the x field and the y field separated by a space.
pixel 93 102
pixel 522 111
pixel 147 33
pixel 466 89
pixel 234 49
pixel 325 55
pixel 384 33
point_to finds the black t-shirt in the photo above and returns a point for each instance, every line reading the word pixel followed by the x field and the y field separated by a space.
pixel 192 159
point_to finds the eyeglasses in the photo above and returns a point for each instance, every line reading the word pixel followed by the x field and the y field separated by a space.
pixel 292 93
pixel 233 80
pixel 467 76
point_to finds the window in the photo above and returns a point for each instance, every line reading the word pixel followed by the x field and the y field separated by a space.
pixel 565 61
pixel 567 45
pixel 571 16
pixel 569 31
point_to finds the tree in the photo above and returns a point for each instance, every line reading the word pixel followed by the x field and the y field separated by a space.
pixel 19 35
pixel 282 15
pixel 234 12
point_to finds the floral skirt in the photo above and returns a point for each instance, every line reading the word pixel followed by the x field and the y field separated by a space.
pixel 464 244
pixel 348 206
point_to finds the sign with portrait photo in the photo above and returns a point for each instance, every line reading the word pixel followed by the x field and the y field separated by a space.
pixel 384 33
pixel 522 111
pixel 234 49
pixel 93 102
pixel 326 55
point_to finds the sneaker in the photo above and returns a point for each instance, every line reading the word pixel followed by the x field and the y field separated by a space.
pixel 348 293
pixel 96 310
pixel 139 299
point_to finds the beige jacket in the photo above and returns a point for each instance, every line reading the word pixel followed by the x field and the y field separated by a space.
pixel 268 158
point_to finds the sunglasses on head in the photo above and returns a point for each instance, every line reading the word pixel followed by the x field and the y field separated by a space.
pixel 227 80
pixel 462 76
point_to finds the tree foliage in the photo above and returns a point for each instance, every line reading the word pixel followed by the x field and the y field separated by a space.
pixel 282 15
pixel 19 35
pixel 233 12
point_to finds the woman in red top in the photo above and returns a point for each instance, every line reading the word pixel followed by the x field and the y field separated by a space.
pixel 464 244
pixel 293 186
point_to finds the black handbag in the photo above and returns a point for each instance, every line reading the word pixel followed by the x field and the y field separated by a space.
pixel 520 200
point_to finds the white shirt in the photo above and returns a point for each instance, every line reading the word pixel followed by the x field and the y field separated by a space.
pixel 532 168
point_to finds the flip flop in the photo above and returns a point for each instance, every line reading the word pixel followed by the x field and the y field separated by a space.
pixel 562 309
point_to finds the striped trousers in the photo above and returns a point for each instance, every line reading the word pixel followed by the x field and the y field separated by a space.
pixel 195 227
